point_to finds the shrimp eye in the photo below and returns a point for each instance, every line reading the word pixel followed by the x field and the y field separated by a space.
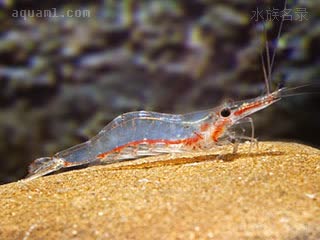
pixel 225 112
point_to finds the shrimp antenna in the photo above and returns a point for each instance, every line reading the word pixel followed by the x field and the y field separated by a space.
pixel 265 75
pixel 277 40
pixel 267 71
pixel 307 89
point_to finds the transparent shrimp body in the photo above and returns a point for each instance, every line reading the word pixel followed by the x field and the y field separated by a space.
pixel 129 136
pixel 136 134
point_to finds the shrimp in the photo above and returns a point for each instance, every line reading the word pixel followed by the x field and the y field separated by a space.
pixel 137 134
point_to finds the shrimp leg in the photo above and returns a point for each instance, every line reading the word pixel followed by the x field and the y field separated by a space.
pixel 235 138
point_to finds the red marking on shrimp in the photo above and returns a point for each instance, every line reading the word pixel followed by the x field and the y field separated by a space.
pixel 67 164
pixel 204 127
pixel 186 141
pixel 198 136
pixel 250 106
pixel 219 129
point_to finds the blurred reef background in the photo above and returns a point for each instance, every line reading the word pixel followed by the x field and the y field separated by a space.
pixel 62 79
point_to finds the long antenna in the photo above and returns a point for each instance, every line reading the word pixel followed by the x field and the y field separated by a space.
pixel 266 76
pixel 267 71
pixel 278 36
pixel 268 60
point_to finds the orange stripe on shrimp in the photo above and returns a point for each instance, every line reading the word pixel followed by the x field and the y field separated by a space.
pixel 186 141
pixel 219 128
pixel 251 106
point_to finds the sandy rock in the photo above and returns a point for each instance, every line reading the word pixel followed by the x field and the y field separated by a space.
pixel 272 193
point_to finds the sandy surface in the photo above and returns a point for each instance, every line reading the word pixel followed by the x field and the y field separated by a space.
pixel 272 193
